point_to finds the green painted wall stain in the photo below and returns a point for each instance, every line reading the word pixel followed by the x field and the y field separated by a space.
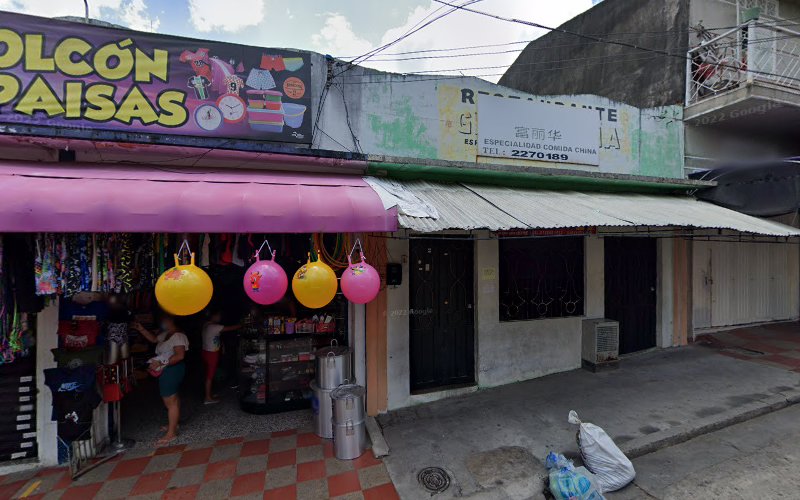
pixel 402 133
pixel 661 145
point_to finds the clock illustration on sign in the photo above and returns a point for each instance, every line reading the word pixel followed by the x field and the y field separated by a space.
pixel 208 117
pixel 232 107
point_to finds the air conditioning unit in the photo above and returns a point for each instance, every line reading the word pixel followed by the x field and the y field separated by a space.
pixel 600 344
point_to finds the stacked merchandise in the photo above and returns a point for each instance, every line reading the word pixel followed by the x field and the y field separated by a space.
pixel 75 397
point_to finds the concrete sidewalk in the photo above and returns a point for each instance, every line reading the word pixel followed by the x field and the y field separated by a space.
pixel 493 442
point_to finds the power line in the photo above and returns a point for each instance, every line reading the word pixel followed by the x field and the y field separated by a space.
pixel 454 56
pixel 629 58
pixel 617 58
pixel 417 27
pixel 663 33
pixel 590 37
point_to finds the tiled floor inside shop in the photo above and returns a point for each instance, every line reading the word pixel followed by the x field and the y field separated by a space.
pixel 285 465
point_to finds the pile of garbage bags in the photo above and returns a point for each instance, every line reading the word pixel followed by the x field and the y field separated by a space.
pixel 607 468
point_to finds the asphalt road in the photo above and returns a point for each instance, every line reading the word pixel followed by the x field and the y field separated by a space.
pixel 758 459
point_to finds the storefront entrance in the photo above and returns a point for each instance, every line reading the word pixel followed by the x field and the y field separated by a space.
pixel 630 290
pixel 441 322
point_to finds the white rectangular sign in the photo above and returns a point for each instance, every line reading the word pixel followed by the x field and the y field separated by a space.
pixel 514 128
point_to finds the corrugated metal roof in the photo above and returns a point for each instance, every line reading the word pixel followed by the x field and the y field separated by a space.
pixel 466 206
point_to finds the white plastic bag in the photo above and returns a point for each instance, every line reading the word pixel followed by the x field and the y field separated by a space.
pixel 602 456
pixel 566 482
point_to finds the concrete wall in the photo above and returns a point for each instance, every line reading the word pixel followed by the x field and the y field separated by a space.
pixel 508 352
pixel 46 339
pixel 396 115
pixel 561 63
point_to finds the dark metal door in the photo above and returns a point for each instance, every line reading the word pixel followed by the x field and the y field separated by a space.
pixel 630 295
pixel 441 325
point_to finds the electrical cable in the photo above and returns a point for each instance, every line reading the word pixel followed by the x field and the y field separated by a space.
pixel 629 58
pixel 663 33
pixel 481 54
pixel 417 27
pixel 356 144
pixel 589 37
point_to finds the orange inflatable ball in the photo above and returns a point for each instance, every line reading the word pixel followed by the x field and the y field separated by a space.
pixel 314 285
pixel 184 289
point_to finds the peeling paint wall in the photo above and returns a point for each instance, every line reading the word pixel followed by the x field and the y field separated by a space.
pixel 398 115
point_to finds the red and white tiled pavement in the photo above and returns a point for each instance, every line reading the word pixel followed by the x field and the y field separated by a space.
pixel 282 465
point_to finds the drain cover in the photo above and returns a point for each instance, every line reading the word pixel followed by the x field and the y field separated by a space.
pixel 434 479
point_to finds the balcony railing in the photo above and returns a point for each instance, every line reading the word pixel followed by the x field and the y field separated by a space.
pixel 753 52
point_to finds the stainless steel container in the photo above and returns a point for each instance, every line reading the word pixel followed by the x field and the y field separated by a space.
pixel 322 409
pixel 348 403
pixel 349 439
pixel 334 366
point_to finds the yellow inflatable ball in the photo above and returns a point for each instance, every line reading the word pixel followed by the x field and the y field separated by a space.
pixel 184 289
pixel 314 285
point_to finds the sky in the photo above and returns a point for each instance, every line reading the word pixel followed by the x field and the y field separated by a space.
pixel 342 28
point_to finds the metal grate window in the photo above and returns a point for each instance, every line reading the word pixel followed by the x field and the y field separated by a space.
pixel 541 278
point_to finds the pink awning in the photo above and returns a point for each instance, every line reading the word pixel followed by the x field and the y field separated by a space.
pixel 50 197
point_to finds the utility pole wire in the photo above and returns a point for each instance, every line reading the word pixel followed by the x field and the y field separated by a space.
pixel 597 39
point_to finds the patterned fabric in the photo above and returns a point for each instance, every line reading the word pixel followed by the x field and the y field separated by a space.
pixel 44 267
pixel 72 265
pixel 260 79
pixel 124 278
pixel 118 333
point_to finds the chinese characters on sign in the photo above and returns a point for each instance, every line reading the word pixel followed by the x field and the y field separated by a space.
pixel 537 131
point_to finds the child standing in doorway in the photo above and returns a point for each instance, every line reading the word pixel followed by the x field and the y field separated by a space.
pixel 212 331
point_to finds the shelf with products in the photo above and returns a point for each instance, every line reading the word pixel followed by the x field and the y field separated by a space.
pixel 277 363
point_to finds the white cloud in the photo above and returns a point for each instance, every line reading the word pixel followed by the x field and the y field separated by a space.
pixel 210 15
pixel 338 38
pixel 56 8
pixel 134 15
pixel 462 28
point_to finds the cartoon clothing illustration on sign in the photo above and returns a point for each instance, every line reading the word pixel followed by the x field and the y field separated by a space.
pixel 213 68
pixel 275 63
pixel 260 79
pixel 199 61
pixel 200 85
pixel 233 83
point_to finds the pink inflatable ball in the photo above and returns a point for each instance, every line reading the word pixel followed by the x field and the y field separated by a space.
pixel 265 282
pixel 360 282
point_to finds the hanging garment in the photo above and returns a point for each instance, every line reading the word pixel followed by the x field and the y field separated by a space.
pixel 60 254
pixel 236 259
pixel 92 241
pixel 18 259
pixel 85 263
pixel 205 250
pixel 72 266
pixel 44 267
pixel 226 254
pixel 124 278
